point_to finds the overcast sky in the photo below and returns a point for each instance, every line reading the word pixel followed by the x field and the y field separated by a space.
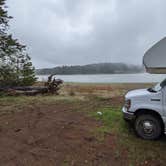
pixel 64 32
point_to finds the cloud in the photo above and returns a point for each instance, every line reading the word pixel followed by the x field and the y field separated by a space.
pixel 61 32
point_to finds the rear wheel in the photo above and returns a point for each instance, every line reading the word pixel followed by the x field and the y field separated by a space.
pixel 148 127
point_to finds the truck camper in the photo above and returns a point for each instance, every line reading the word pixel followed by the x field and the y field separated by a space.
pixel 146 108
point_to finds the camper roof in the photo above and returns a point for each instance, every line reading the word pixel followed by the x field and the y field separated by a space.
pixel 155 58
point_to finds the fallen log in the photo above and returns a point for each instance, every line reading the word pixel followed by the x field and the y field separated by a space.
pixel 30 91
pixel 51 86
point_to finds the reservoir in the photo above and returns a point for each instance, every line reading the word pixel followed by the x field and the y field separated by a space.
pixel 109 78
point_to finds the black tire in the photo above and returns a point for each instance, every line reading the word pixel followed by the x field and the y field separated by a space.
pixel 148 127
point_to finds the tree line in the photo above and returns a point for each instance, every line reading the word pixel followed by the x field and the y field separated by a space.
pixel 100 68
pixel 16 68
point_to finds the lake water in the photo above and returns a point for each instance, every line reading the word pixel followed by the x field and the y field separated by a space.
pixel 109 78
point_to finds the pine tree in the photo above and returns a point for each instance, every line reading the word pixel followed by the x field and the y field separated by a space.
pixel 15 65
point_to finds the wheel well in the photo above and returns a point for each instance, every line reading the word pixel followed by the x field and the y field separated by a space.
pixel 151 112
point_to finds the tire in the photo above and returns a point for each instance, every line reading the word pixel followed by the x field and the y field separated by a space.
pixel 148 127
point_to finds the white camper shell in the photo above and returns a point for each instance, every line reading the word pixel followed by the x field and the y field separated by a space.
pixel 155 58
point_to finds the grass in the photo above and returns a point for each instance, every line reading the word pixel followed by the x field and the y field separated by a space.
pixel 140 151
pixel 10 104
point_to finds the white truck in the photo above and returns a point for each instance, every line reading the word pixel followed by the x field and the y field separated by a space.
pixel 146 108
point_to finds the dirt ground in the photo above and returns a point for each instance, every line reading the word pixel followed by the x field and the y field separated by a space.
pixel 44 134
pixel 53 135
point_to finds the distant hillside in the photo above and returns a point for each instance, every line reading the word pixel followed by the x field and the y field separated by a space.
pixel 99 68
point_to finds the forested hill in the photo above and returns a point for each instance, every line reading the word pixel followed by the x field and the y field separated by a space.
pixel 99 68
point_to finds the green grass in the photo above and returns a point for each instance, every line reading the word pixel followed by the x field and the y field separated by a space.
pixel 140 151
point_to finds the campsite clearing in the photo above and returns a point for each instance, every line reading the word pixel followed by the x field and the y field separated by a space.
pixel 69 130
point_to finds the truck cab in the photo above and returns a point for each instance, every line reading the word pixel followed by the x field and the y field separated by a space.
pixel 147 107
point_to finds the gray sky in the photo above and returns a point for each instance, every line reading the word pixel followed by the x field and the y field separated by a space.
pixel 64 32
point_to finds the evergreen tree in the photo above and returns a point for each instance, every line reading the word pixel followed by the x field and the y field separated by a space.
pixel 15 65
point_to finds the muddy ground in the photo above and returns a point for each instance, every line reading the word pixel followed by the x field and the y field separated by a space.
pixel 57 133
pixel 53 135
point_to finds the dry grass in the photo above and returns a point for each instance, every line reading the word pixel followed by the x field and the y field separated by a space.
pixel 100 90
